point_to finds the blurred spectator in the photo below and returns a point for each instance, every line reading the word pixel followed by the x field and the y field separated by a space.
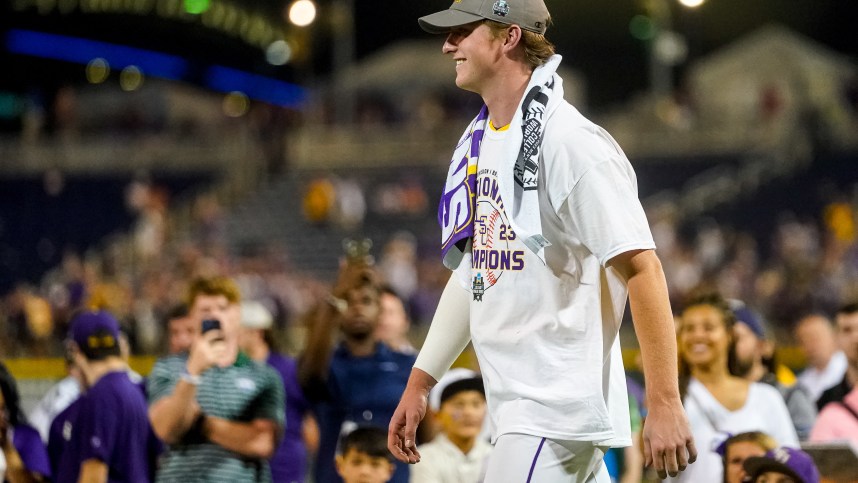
pixel 782 465
pixel 182 329
pixel 458 454
pixel 393 323
pixel 737 448
pixel 716 400
pixel 349 204
pixel 319 201
pixel 826 364
pixel 847 337
pixel 399 263
pixel 110 437
pixel 838 420
pixel 359 380
pixel 25 455
pixel 289 462
pixel 755 361
pixel 57 398
pixel 30 321
pixel 209 227
pixel 215 434
pixel 363 456
pixel 625 465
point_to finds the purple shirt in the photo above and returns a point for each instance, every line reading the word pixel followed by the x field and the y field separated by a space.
pixel 29 444
pixel 59 435
pixel 289 463
pixel 111 426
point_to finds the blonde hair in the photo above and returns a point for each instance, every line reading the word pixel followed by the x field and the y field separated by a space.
pixel 537 48
pixel 214 286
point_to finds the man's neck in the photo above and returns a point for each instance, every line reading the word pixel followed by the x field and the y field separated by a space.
pixel 503 98
pixel 361 347
pixel 230 354
pixel 852 374
pixel 824 362
pixel 95 370
pixel 259 352
pixel 465 445
pixel 758 370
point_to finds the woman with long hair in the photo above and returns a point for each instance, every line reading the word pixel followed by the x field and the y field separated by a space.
pixel 25 454
pixel 718 402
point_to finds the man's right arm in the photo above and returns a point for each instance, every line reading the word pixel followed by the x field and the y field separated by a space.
pixel 448 336
pixel 173 414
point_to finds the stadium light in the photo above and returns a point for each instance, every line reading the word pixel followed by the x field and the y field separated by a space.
pixel 302 12
pixel 692 3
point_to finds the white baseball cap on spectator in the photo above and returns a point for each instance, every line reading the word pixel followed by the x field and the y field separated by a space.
pixel 254 315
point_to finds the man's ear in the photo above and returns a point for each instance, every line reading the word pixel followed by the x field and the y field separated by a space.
pixel 339 461
pixel 513 37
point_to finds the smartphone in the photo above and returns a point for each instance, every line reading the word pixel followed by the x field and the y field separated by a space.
pixel 210 324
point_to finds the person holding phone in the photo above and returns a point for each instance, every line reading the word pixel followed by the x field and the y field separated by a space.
pixel 219 412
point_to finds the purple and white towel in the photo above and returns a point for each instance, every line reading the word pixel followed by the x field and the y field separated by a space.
pixel 456 211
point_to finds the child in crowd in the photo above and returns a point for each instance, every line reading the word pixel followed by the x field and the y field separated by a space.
pixel 737 448
pixel 782 465
pixel 364 457
pixel 458 453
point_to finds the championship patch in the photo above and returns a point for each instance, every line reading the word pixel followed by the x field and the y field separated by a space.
pixel 500 8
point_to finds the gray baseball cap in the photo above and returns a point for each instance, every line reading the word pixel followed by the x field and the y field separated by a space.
pixel 530 15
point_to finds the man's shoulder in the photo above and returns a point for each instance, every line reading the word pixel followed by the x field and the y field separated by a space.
pixel 569 133
pixel 27 433
pixel 567 118
pixel 170 361
pixel 833 394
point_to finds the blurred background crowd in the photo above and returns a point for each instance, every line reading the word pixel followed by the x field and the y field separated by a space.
pixel 146 143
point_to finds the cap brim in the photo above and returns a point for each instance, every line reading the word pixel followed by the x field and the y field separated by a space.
pixel 757 465
pixel 441 22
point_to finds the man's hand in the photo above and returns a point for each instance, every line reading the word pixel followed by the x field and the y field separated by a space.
pixel 207 351
pixel 668 443
pixel 402 432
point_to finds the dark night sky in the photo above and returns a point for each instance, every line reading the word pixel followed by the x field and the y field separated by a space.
pixel 593 35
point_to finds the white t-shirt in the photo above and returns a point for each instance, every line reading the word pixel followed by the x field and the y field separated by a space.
pixel 546 334
pixel 58 397
pixel 816 381
pixel 441 461
pixel 764 410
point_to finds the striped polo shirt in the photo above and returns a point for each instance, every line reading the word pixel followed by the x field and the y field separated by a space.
pixel 241 392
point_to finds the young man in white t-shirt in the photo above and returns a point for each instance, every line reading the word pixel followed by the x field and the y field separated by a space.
pixel 547 239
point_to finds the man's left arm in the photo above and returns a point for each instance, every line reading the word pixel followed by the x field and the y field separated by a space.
pixel 667 439
pixel 257 438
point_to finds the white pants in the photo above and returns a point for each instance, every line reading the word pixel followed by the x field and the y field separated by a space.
pixel 522 458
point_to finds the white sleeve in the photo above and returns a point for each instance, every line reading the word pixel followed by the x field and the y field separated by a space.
pixel 604 212
pixel 449 333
